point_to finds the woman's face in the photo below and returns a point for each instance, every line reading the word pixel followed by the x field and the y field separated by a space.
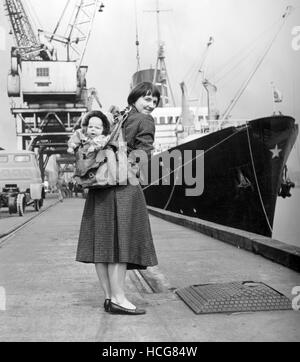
pixel 146 104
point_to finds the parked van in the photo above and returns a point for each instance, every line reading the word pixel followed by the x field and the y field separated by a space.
pixel 20 181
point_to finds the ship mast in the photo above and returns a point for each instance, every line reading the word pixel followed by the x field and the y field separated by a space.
pixel 161 77
pixel 137 42
pixel 210 88
pixel 240 92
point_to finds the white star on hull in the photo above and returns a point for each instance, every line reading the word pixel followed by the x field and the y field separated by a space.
pixel 275 152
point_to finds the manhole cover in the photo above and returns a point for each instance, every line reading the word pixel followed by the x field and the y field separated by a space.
pixel 233 297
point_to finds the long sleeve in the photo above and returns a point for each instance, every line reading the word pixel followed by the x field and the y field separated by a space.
pixel 139 133
pixel 144 138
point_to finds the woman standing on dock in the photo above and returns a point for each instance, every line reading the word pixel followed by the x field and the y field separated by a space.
pixel 115 231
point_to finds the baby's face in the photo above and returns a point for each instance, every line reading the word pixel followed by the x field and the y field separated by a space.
pixel 95 127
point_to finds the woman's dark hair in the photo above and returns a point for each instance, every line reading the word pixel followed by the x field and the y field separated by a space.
pixel 98 114
pixel 141 90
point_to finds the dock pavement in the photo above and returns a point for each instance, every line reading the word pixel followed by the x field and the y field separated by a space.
pixel 49 297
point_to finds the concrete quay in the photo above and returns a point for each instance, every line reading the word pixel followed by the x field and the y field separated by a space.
pixel 275 250
pixel 51 297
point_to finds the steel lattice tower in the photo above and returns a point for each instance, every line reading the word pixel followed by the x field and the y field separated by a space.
pixel 26 40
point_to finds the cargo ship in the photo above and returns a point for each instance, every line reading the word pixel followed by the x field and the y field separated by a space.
pixel 242 162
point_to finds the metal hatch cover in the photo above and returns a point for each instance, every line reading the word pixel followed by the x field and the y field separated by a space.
pixel 247 296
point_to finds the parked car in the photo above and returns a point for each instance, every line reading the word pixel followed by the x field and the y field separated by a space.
pixel 20 181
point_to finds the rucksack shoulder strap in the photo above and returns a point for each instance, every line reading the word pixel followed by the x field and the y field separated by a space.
pixel 118 125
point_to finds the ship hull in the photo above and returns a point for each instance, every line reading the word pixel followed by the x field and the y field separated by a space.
pixel 242 175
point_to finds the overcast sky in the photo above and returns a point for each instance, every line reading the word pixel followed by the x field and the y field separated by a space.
pixel 242 29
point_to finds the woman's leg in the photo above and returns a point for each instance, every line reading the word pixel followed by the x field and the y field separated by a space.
pixel 117 274
pixel 102 272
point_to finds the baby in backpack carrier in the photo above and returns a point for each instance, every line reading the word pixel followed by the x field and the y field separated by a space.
pixel 93 136
pixel 88 141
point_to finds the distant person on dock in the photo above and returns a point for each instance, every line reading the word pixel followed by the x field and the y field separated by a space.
pixel 59 186
pixel 76 188
pixel 64 190
pixel 71 187
pixel 115 232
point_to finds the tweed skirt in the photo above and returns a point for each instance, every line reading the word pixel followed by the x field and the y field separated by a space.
pixel 115 228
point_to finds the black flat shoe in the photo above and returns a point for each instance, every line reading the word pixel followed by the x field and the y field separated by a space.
pixel 117 309
pixel 107 305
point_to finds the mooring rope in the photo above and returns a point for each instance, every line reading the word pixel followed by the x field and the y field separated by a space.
pixel 256 181
pixel 186 163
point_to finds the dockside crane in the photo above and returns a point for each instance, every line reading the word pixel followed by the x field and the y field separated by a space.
pixel 48 76
pixel 28 45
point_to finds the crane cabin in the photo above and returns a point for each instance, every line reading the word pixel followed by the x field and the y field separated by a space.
pixel 45 80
